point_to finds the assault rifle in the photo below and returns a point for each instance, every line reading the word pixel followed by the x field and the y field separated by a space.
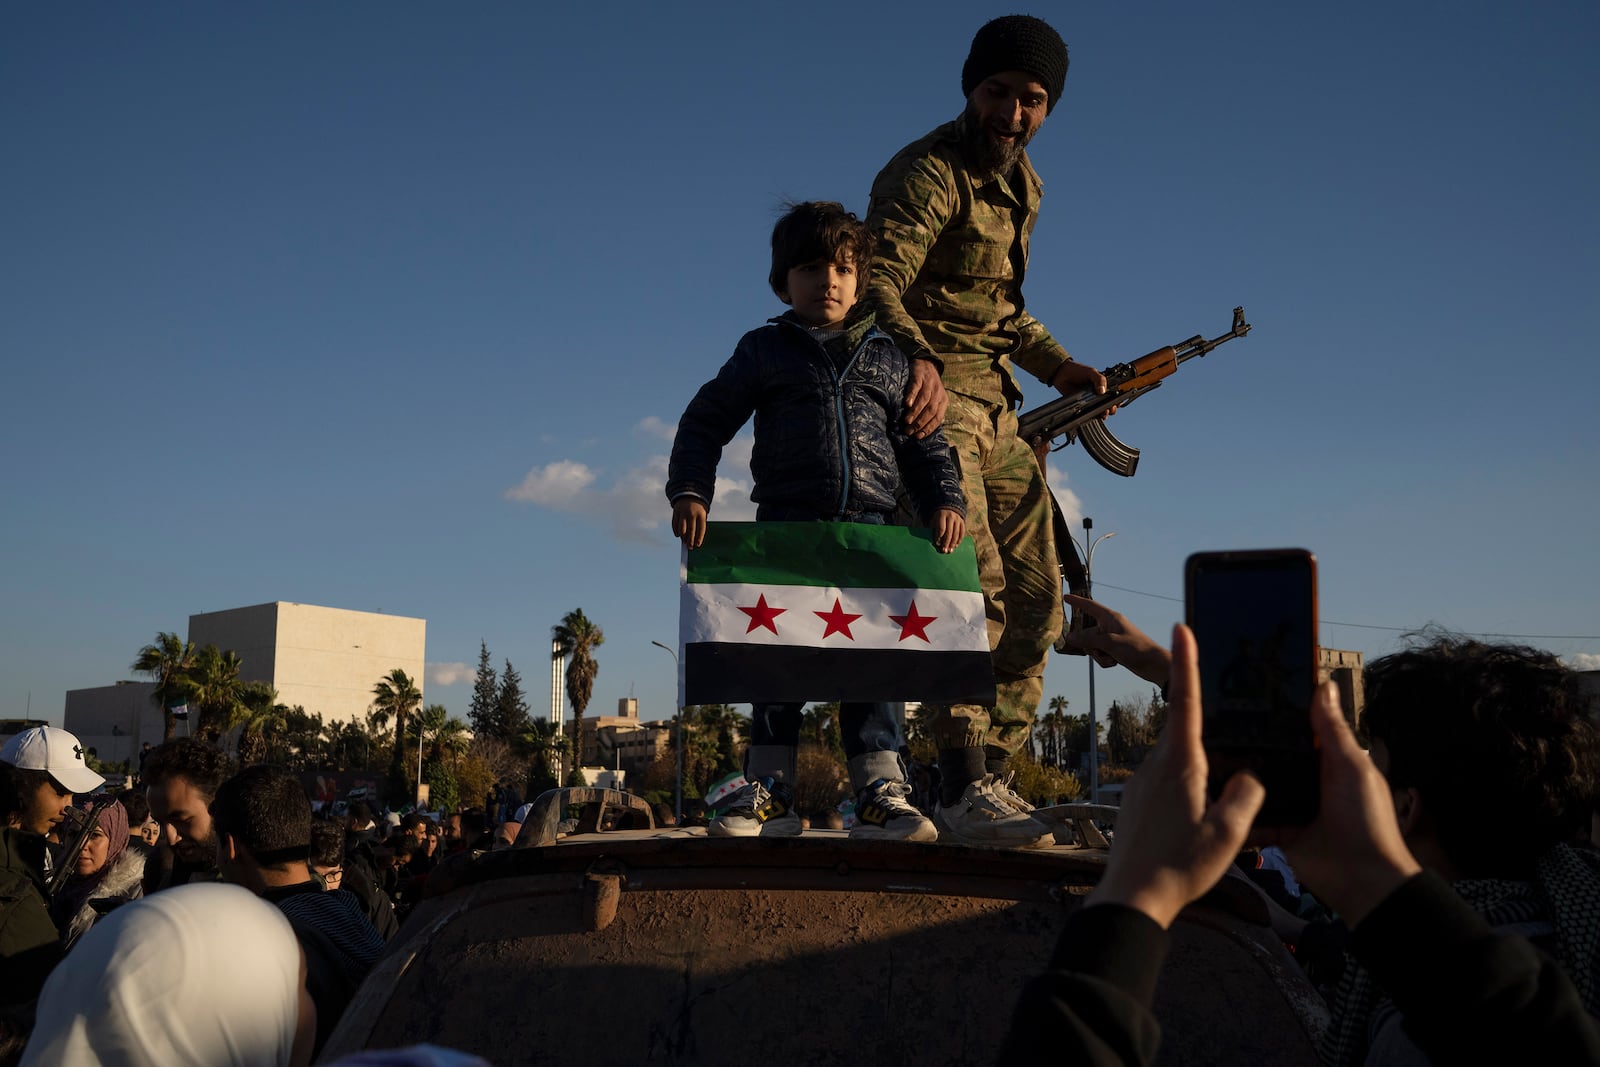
pixel 1078 417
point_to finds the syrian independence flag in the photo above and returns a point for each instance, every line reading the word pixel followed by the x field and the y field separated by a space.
pixel 819 611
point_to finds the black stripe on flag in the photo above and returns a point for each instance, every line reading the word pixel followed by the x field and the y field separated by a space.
pixel 716 673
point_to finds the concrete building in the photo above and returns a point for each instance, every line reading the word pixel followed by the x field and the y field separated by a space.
pixel 115 720
pixel 622 741
pixel 1345 669
pixel 324 659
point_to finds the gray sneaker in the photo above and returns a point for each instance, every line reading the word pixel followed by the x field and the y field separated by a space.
pixel 884 814
pixel 763 808
pixel 983 816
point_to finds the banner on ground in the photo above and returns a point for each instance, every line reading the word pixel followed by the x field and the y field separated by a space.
pixel 822 611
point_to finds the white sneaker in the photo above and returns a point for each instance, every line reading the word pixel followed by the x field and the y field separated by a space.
pixel 1003 790
pixel 983 816
pixel 763 808
pixel 884 814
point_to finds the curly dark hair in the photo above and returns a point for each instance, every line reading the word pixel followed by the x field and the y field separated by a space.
pixel 327 843
pixel 1498 741
pixel 204 766
pixel 819 229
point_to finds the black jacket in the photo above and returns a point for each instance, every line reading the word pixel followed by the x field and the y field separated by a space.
pixel 828 436
pixel 1469 993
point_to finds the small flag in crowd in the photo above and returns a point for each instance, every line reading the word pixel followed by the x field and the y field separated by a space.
pixel 179 711
pixel 725 788
pixel 820 611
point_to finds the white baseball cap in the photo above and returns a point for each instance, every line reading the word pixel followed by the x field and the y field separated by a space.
pixel 56 752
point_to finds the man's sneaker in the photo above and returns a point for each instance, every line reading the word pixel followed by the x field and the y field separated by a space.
pixel 763 808
pixel 1002 788
pixel 983 816
pixel 884 814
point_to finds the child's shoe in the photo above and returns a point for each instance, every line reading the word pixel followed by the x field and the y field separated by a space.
pixel 763 808
pixel 983 816
pixel 884 814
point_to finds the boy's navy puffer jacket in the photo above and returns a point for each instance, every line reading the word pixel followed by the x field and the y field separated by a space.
pixel 828 441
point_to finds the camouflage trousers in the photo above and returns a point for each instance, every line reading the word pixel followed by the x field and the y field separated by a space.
pixel 1008 517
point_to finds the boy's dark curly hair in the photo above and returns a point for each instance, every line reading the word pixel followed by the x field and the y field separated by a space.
pixel 1498 741
pixel 819 229
pixel 205 766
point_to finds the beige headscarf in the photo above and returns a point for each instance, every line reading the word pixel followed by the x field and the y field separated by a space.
pixel 206 975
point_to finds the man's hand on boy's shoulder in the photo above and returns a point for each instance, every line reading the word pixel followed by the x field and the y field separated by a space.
pixel 689 521
pixel 948 529
pixel 926 399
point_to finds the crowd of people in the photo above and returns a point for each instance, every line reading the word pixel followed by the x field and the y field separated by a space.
pixel 124 918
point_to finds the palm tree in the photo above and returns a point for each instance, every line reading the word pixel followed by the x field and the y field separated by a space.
pixel 396 697
pixel 576 638
pixel 438 733
pixel 1055 730
pixel 728 727
pixel 214 689
pixel 259 717
pixel 543 746
pixel 167 661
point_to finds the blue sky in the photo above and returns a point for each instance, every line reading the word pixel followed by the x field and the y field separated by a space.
pixel 393 307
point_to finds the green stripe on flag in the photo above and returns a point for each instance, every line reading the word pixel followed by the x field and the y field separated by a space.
pixel 838 554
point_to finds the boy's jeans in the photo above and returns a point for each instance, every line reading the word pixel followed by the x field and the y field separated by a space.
pixel 870 732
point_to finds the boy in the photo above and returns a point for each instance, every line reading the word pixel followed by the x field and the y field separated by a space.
pixel 826 388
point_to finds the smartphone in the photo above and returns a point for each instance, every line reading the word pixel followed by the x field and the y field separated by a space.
pixel 1254 616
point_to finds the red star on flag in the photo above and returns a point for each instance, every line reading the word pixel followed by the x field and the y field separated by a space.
pixel 838 620
pixel 913 625
pixel 762 615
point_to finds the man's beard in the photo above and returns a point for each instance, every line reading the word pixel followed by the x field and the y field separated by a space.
pixel 987 154
pixel 197 854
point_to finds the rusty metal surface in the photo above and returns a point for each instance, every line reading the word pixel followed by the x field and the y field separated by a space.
pixel 667 947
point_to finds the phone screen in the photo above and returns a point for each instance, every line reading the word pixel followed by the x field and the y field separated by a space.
pixel 1254 616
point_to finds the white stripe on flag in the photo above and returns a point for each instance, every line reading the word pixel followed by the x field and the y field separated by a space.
pixel 712 613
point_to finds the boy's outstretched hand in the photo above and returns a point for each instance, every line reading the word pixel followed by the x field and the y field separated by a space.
pixel 1171 846
pixel 948 529
pixel 689 521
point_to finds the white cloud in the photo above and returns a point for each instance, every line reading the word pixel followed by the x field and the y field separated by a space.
pixel 1583 661
pixel 650 426
pixel 635 505
pixel 449 673
pixel 559 485
pixel 1071 506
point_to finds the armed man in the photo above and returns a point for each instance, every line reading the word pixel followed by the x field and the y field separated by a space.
pixel 953 212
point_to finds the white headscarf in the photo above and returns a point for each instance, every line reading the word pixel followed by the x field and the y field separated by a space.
pixel 205 975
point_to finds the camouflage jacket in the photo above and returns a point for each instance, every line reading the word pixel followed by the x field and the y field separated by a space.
pixel 946 279
pixel 828 441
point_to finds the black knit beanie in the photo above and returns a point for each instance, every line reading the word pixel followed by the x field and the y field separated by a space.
pixel 1017 42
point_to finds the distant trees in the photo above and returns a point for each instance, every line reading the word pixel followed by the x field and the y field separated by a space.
pixel 396 698
pixel 485 696
pixel 576 637
pixel 167 661
pixel 510 719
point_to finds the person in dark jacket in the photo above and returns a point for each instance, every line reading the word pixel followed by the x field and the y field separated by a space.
pixel 262 821
pixel 827 391
pixel 1469 993
pixel 40 770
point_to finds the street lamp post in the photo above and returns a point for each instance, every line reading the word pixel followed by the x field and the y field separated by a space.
pixel 1087 547
pixel 677 736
